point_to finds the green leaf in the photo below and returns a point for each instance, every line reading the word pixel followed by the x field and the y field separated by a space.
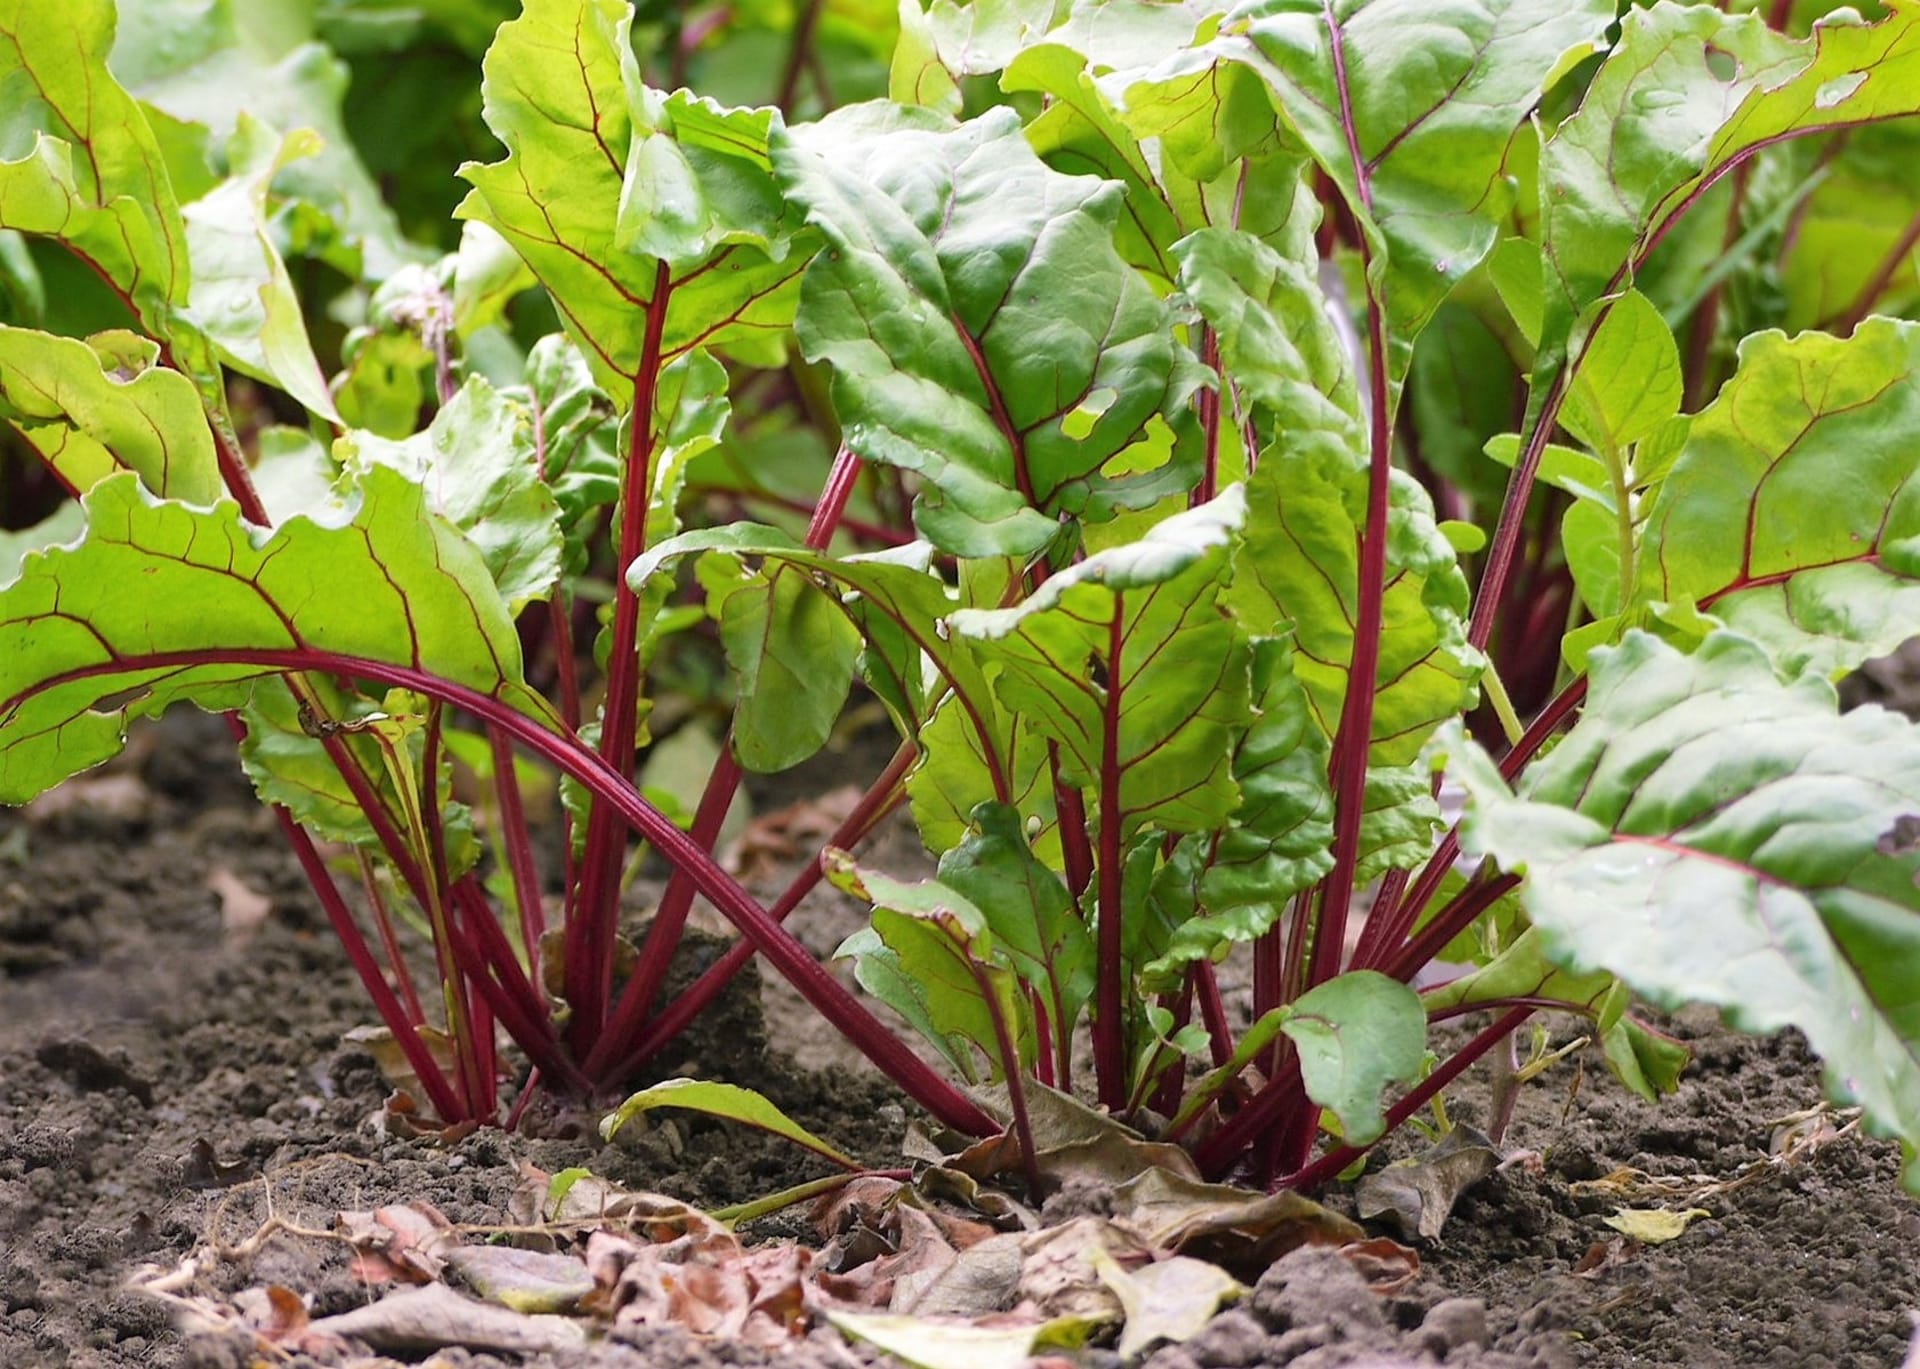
pixel 1408 106
pixel 241 296
pixel 1685 93
pixel 221 604
pixel 1356 1034
pixel 477 465
pixel 1128 661
pixel 1300 564
pixel 1522 970
pixel 972 748
pixel 1627 382
pixel 582 465
pixel 1461 393
pixel 612 192
pixel 791 653
pixel 92 408
pixel 1714 836
pixel 1028 909
pixel 64 524
pixel 982 329
pixel 1793 514
pixel 78 160
pixel 1269 316
pixel 730 1101
pixel 204 66
pixel 1399 818
pixel 931 956
pixel 1280 836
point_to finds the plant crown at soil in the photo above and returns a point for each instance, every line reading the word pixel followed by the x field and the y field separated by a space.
pixel 1220 438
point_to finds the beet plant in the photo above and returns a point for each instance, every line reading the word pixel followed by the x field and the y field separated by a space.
pixel 1251 426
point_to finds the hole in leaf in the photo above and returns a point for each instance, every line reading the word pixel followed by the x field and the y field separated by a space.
pixel 120 699
pixel 1080 419
pixel 1721 64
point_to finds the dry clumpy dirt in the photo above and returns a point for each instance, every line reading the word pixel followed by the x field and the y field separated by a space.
pixel 169 1072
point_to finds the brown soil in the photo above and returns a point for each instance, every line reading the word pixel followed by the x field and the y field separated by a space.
pixel 164 1078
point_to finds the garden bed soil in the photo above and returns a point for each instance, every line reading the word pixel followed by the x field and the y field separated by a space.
pixel 173 1069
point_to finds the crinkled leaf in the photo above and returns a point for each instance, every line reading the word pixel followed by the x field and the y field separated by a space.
pixel 1685 92
pixel 221 604
pixel 241 296
pixel 1128 661
pixel 1278 842
pixel 730 1101
pixel 92 408
pixel 1276 340
pixel 982 329
pixel 579 461
pixel 911 661
pixel 476 463
pixel 1408 106
pixel 1793 514
pixel 931 956
pixel 1740 829
pixel 611 191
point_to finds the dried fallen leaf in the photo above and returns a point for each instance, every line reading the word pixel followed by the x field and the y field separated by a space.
pixel 943 1343
pixel 1415 1195
pixel 1245 1232
pixel 1387 1266
pixel 523 1280
pixel 113 795
pixel 1070 1140
pixel 773 841
pixel 1167 1301
pixel 1060 1268
pixel 242 908
pixel 399 1243
pixel 1604 1255
pixel 1653 1225
pixel 435 1317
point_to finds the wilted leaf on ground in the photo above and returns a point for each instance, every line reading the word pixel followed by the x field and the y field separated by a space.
pixel 1415 1195
pixel 711 1286
pixel 1071 1140
pixel 729 1101
pixel 242 907
pixel 402 1242
pixel 523 1280
pixel 1653 1225
pixel 1241 1230
pixel 937 1343
pixel 1170 1300
pixel 435 1317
